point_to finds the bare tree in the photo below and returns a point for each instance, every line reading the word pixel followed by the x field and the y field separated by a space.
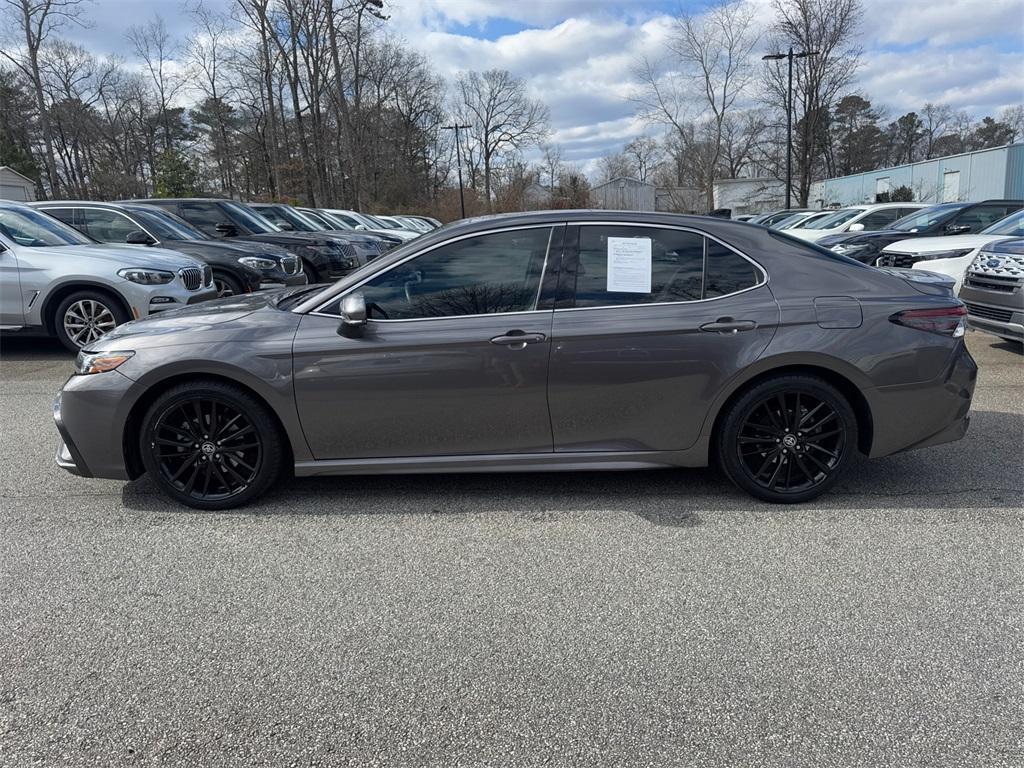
pixel 35 21
pixel 827 28
pixel 551 164
pixel 152 43
pixel 697 86
pixel 644 154
pixel 502 116
pixel 935 119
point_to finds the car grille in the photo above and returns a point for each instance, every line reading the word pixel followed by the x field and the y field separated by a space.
pixel 905 260
pixel 989 313
pixel 192 277
pixel 290 265
pixel 347 249
pixel 993 282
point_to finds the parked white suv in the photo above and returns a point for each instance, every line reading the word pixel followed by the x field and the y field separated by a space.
pixel 855 218
pixel 54 278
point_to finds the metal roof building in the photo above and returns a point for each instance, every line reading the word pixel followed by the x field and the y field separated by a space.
pixel 981 175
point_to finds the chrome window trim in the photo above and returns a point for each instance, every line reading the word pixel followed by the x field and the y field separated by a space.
pixel 318 304
pixel 108 209
pixel 763 272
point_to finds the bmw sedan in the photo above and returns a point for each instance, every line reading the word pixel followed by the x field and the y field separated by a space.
pixel 559 340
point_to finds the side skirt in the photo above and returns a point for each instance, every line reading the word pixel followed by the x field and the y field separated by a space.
pixel 697 456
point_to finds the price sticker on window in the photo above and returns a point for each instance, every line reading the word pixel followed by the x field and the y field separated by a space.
pixel 629 265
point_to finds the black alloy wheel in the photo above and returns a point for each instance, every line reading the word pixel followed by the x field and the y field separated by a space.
pixel 211 445
pixel 788 439
pixel 226 285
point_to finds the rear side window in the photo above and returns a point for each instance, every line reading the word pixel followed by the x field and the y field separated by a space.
pixel 621 265
pixel 67 215
pixel 727 272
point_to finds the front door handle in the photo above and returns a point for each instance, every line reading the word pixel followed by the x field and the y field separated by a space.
pixel 728 325
pixel 518 339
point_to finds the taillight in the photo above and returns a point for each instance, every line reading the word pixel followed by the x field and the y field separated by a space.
pixel 949 321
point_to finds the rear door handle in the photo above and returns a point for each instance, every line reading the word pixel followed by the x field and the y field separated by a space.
pixel 518 339
pixel 728 325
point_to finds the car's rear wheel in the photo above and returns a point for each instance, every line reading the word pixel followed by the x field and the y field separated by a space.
pixel 787 439
pixel 84 316
pixel 211 445
pixel 226 285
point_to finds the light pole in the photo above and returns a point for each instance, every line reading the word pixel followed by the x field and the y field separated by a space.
pixel 458 160
pixel 789 112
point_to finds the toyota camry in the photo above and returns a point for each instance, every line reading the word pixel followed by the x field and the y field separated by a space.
pixel 558 340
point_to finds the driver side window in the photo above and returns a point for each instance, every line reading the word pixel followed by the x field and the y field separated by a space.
pixel 480 275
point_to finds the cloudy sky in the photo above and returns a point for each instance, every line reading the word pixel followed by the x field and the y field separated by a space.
pixel 577 54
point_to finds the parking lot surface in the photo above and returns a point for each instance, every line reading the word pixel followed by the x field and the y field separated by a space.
pixel 633 619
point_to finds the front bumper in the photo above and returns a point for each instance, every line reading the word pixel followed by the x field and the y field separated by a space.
pixel 1000 313
pixel 68 458
pixel 90 415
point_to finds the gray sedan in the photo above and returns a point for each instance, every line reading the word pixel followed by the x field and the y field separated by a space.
pixel 561 340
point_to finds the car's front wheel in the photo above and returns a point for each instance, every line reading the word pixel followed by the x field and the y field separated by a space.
pixel 211 445
pixel 787 439
pixel 85 316
pixel 226 284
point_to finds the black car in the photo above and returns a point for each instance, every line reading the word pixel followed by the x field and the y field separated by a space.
pixel 293 220
pixel 239 267
pixel 937 220
pixel 325 256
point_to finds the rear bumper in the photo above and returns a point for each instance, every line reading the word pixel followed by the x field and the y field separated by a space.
pixel 917 415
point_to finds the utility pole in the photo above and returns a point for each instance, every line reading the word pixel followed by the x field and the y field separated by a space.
pixel 789 113
pixel 458 160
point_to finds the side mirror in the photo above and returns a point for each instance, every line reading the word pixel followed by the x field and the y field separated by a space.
pixel 226 230
pixel 353 315
pixel 858 227
pixel 286 226
pixel 138 237
pixel 361 227
pixel 957 229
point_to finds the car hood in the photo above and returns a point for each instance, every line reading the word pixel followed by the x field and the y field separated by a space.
pixel 946 243
pixel 293 239
pixel 119 256
pixel 190 322
pixel 850 238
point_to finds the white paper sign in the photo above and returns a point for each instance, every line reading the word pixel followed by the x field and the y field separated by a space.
pixel 629 264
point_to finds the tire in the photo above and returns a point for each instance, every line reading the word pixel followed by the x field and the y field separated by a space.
pixel 82 317
pixel 226 285
pixel 772 453
pixel 211 468
pixel 312 276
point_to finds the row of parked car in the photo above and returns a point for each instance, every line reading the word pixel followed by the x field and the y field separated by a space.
pixel 979 245
pixel 76 269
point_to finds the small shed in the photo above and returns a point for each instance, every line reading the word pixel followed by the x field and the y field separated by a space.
pixel 749 196
pixel 16 186
pixel 624 194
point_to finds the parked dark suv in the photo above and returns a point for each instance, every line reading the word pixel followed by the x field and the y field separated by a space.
pixel 238 267
pixel 324 256
pixel 936 220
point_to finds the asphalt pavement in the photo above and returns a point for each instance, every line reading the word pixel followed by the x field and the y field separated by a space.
pixel 622 619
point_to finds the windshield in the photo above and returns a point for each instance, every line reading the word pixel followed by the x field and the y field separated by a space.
pixel 37 230
pixel 1011 225
pixel 806 222
pixel 166 226
pixel 287 218
pixel 324 220
pixel 250 219
pixel 919 220
pixel 837 219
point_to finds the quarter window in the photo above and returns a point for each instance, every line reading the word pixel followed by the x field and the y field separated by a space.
pixel 683 266
pixel 481 275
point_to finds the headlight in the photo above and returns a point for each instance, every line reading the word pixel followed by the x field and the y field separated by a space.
pixel 257 263
pixel 945 254
pixel 99 362
pixel 145 276
pixel 845 248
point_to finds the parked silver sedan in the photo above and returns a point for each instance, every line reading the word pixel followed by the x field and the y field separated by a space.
pixel 55 279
